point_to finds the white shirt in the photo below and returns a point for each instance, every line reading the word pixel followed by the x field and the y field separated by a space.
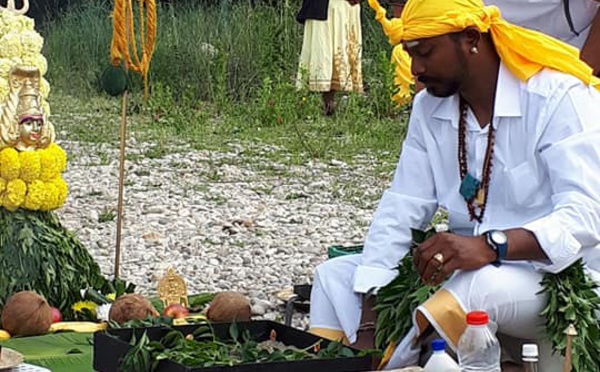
pixel 545 174
pixel 548 16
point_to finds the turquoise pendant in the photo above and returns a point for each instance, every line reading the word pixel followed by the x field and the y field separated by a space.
pixel 469 187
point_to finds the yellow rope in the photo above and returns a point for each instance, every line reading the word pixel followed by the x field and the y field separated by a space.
pixel 124 40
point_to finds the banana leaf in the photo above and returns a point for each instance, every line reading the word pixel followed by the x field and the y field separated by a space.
pixel 59 352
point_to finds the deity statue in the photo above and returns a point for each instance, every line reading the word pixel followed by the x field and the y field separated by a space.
pixel 23 124
pixel 31 182
pixel 172 289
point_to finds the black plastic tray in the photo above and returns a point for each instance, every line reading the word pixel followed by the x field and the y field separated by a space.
pixel 109 350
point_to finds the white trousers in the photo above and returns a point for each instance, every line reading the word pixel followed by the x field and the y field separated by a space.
pixel 509 294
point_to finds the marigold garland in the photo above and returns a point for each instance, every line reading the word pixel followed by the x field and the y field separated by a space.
pixel 30 166
pixel 9 164
pixel 32 179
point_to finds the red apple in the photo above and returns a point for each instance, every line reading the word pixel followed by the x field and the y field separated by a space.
pixel 56 315
pixel 176 311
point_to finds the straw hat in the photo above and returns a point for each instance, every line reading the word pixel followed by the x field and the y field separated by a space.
pixel 9 358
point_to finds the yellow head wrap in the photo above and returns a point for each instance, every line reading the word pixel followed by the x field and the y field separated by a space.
pixel 524 52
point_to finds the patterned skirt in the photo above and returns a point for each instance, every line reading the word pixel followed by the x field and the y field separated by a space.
pixel 331 51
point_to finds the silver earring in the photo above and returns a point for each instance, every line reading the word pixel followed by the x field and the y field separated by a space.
pixel 474 50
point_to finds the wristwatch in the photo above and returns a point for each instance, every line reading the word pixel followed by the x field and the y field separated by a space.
pixel 498 242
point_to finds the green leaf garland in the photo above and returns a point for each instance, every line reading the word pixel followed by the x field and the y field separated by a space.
pixel 572 299
pixel 37 253
pixel 397 301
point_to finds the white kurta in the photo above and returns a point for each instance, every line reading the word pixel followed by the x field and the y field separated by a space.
pixel 545 174
pixel 548 16
pixel 545 178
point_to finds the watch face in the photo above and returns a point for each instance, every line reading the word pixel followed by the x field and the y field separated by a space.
pixel 498 237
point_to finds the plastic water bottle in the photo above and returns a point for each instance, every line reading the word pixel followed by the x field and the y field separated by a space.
pixel 439 361
pixel 478 347
pixel 530 357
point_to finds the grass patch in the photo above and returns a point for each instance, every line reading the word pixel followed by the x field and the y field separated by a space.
pixel 221 77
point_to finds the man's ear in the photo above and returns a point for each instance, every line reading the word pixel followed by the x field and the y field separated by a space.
pixel 471 37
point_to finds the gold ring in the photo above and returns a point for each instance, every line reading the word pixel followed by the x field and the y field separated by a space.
pixel 439 258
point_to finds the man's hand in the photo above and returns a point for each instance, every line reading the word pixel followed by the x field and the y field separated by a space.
pixel 353 2
pixel 439 256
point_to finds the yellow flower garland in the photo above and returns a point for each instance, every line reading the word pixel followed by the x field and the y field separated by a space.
pixel 32 179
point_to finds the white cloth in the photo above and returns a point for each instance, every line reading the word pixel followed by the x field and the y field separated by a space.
pixel 507 293
pixel 544 175
pixel 548 16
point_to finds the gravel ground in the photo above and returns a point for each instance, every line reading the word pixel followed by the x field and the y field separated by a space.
pixel 226 221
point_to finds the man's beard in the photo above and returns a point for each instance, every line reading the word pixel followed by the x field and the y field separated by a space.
pixel 443 89
pixel 449 87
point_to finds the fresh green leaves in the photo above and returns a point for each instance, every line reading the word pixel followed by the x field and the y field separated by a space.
pixel 202 349
pixel 143 323
pixel 397 301
pixel 139 357
pixel 419 236
pixel 37 253
pixel 571 299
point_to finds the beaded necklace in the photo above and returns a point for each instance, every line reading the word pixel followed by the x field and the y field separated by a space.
pixel 474 192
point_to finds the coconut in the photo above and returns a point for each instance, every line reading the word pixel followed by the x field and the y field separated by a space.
pixel 229 307
pixel 131 307
pixel 26 314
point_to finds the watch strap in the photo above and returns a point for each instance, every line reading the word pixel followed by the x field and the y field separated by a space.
pixel 500 249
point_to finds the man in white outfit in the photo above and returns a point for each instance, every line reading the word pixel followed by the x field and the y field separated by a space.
pixel 505 138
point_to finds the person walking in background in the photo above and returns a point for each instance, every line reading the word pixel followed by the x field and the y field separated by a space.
pixel 330 60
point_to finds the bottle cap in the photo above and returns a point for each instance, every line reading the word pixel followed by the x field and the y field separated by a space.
pixel 477 318
pixel 438 344
pixel 530 351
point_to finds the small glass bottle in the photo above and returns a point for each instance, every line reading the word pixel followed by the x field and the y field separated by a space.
pixel 530 358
